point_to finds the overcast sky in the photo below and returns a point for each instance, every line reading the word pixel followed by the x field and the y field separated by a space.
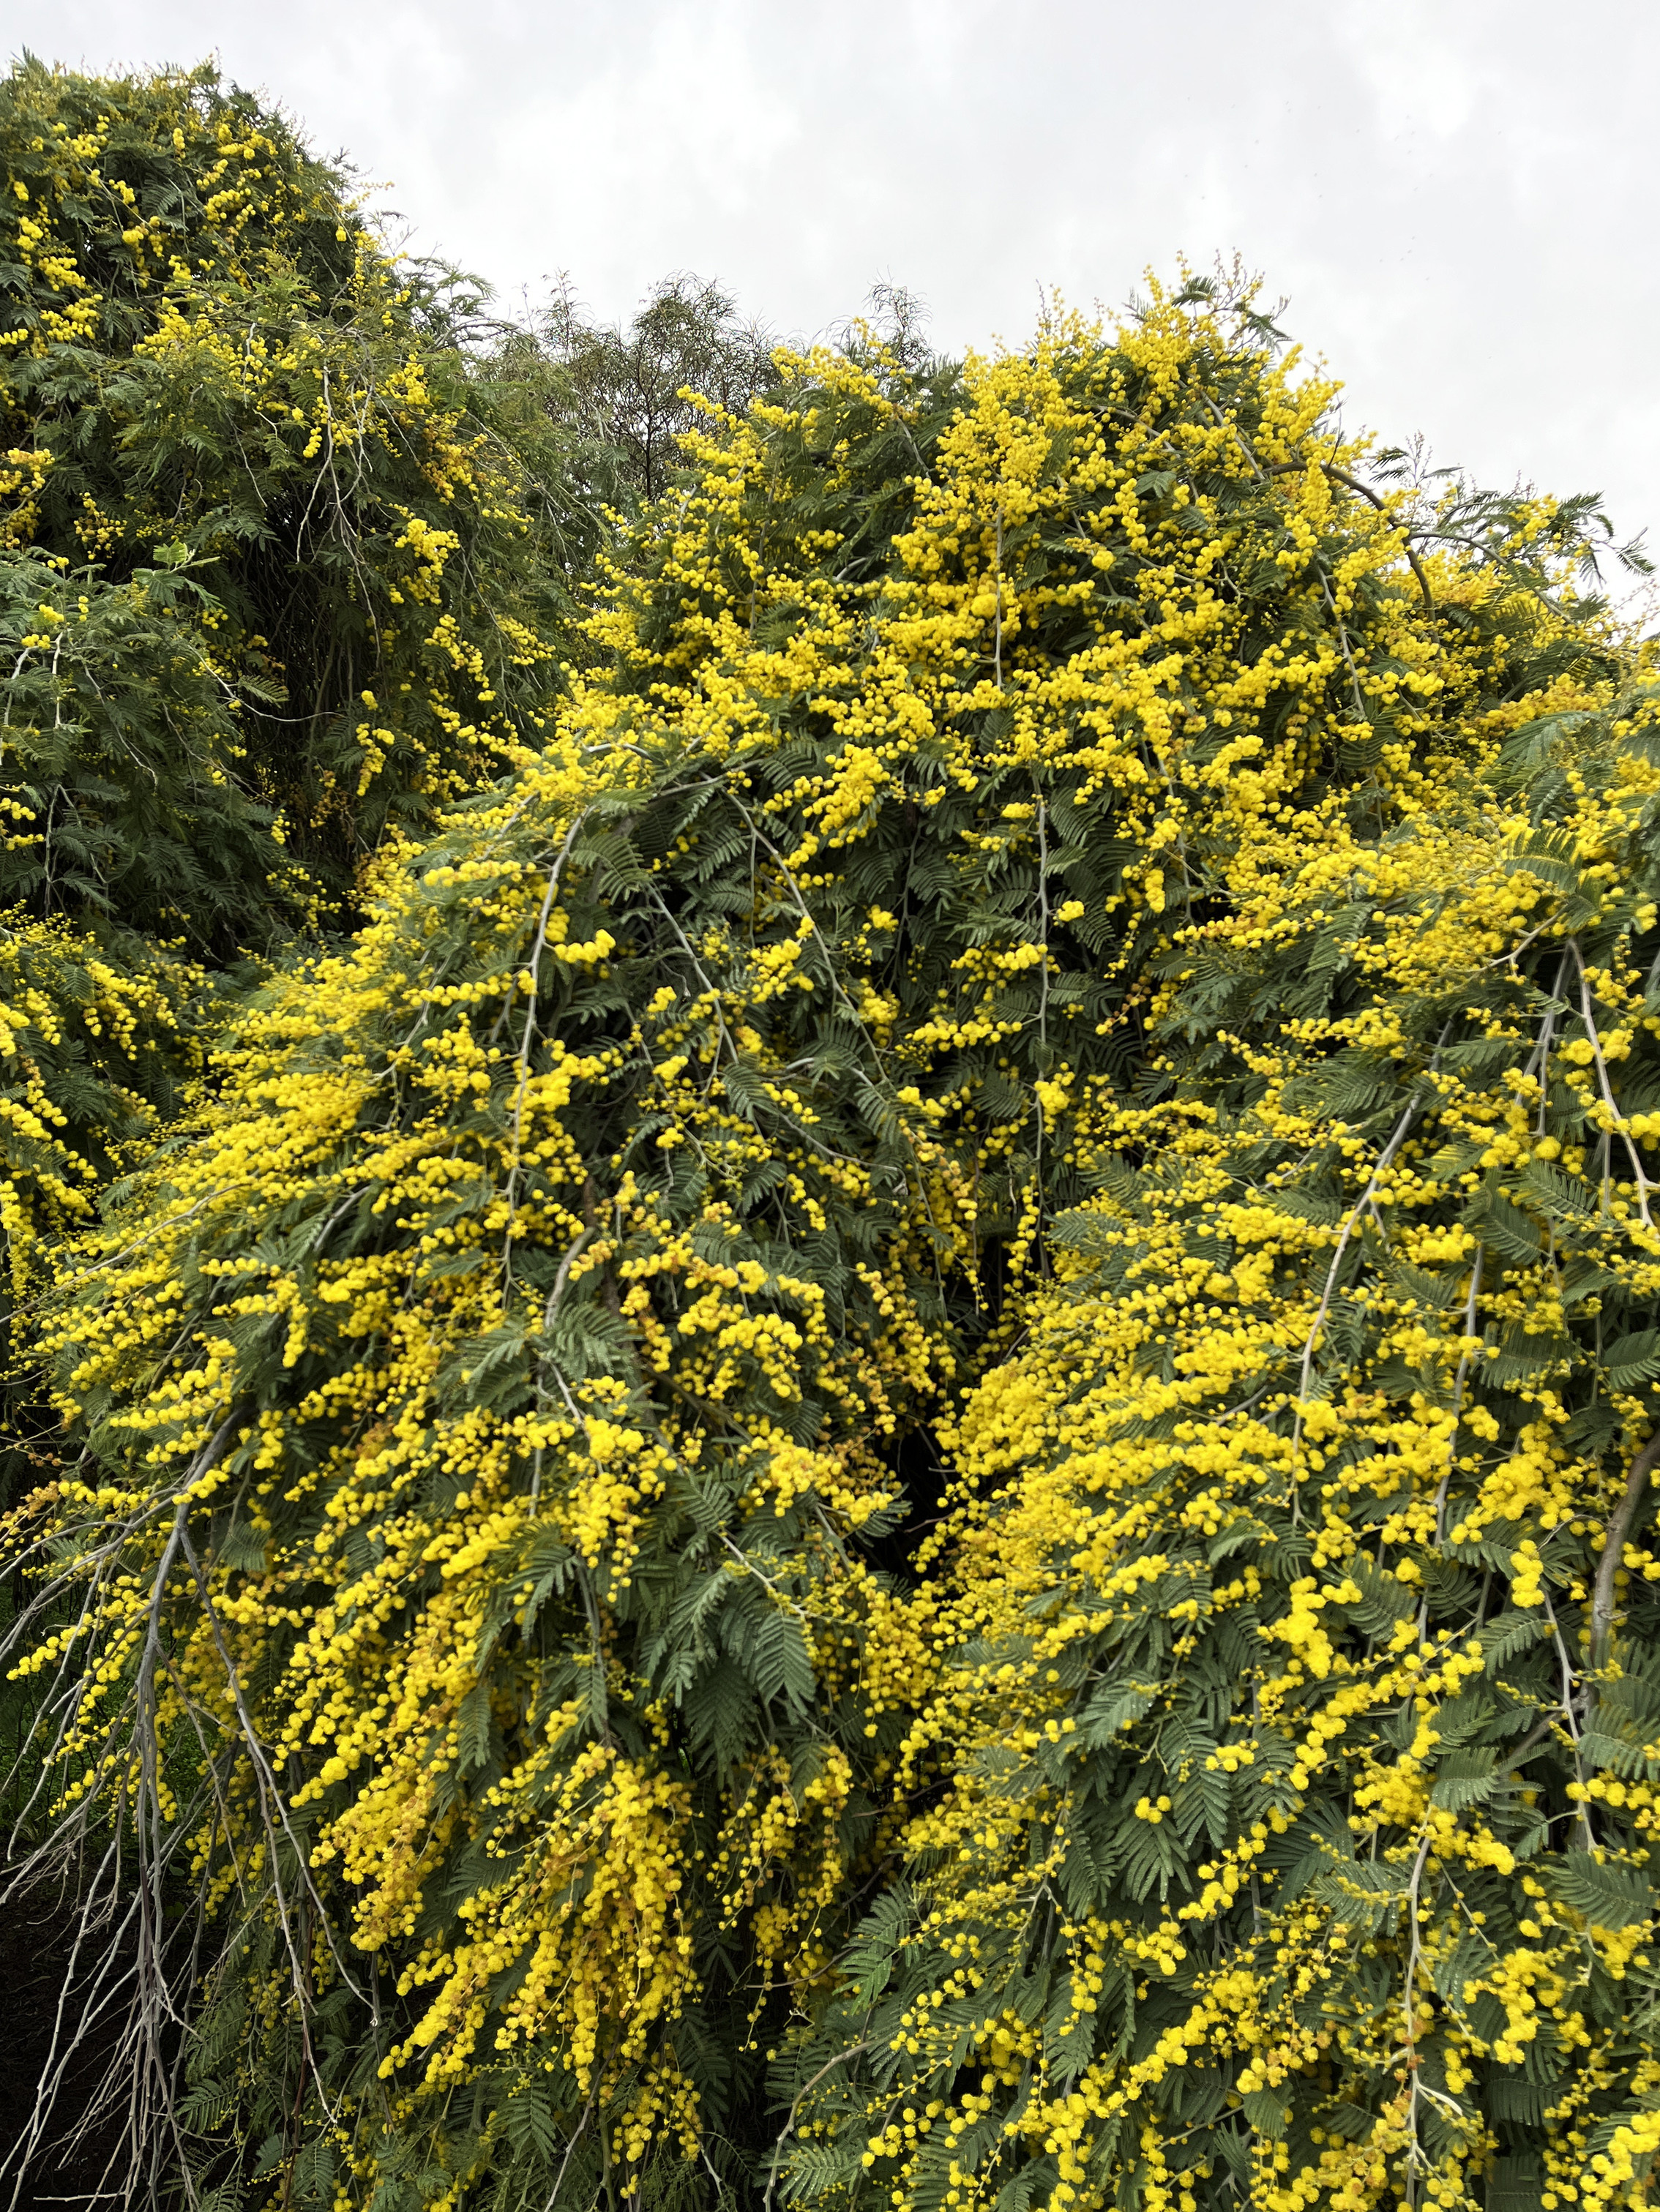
pixel 1458 197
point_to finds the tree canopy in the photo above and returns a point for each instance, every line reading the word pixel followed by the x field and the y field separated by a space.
pixel 898 1453
pixel 637 392
pixel 272 580
pixel 282 574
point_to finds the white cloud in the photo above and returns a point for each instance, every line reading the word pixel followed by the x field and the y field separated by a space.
pixel 1428 64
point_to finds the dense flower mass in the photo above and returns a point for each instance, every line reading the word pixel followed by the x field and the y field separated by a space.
pixel 901 1452
pixel 275 587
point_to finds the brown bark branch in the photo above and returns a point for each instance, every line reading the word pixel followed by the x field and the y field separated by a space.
pixel 1619 1528
pixel 1342 476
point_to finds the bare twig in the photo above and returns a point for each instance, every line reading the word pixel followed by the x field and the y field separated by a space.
pixel 1587 1014
pixel 1613 1545
pixel 1397 1138
pixel 811 2083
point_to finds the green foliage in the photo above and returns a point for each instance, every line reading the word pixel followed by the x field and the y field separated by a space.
pixel 304 589
pixel 102 1046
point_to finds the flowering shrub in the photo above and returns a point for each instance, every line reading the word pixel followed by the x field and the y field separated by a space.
pixel 244 471
pixel 273 583
pixel 929 1369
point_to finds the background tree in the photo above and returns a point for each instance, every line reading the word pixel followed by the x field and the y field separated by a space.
pixel 274 583
pixel 624 388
